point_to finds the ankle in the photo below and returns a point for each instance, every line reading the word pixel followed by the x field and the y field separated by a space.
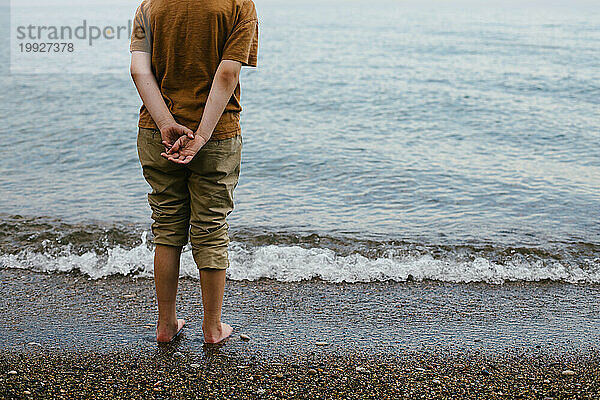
pixel 167 323
pixel 212 325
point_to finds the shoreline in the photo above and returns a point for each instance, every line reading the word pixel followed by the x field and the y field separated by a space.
pixel 70 311
pixel 431 340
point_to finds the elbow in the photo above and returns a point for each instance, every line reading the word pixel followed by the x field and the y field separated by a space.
pixel 133 72
pixel 136 74
pixel 229 76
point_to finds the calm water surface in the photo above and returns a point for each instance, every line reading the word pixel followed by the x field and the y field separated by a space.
pixel 380 125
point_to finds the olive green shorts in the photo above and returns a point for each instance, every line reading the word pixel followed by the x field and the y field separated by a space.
pixel 192 200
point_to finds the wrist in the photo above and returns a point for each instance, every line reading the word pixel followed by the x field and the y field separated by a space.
pixel 165 123
pixel 202 134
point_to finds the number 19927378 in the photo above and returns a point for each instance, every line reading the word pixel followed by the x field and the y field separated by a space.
pixel 46 47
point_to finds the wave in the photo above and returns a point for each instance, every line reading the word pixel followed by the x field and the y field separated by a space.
pixel 293 263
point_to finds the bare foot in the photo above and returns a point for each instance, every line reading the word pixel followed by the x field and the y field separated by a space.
pixel 168 333
pixel 218 334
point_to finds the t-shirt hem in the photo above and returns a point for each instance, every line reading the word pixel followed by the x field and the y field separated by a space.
pixel 221 135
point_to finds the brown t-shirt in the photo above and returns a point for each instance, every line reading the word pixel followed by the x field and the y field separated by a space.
pixel 187 40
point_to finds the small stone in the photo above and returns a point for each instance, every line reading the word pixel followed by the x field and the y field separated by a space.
pixel 194 365
pixel 149 326
pixel 158 383
pixel 13 372
pixel 420 369
pixel 568 372
pixel 243 366
pixel 312 371
pixel 362 370
pixel 279 375
pixel 546 380
pixel 178 354
pixel 34 344
pixel 485 372
pixel 129 296
pixel 437 381
pixel 26 392
pixel 321 343
pixel 63 391
pixel 244 337
pixel 319 369
pixel 261 391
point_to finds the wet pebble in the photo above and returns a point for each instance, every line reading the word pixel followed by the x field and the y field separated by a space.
pixel 244 337
pixel 321 343
pixel 26 392
pixel 485 372
pixel 436 381
pixel 362 370
pixel 312 371
pixel 13 372
pixel 178 354
pixel 568 372
pixel 194 365
pixel 279 375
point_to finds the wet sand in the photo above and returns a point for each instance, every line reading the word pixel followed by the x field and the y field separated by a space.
pixel 94 339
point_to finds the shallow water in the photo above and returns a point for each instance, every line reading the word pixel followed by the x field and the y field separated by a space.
pixel 381 141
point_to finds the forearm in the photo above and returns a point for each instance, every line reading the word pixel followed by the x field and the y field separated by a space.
pixel 220 93
pixel 153 100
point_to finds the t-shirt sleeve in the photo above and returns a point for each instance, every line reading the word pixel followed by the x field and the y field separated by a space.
pixel 141 35
pixel 242 44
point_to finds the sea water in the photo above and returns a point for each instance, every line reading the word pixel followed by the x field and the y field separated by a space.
pixel 382 141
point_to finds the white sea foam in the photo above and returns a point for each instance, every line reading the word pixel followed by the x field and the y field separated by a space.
pixel 294 263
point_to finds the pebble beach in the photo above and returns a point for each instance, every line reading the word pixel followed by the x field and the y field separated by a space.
pixel 90 339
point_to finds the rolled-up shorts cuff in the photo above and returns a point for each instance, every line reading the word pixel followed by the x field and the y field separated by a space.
pixel 174 243
pixel 170 235
pixel 205 260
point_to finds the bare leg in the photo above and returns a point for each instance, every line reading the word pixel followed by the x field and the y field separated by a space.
pixel 166 279
pixel 213 287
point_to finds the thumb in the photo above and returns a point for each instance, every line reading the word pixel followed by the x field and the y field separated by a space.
pixel 187 131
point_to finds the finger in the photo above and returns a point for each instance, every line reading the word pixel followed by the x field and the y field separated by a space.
pixel 185 159
pixel 175 148
pixel 167 144
pixel 169 156
pixel 181 159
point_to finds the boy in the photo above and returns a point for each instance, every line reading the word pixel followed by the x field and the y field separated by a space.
pixel 186 60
